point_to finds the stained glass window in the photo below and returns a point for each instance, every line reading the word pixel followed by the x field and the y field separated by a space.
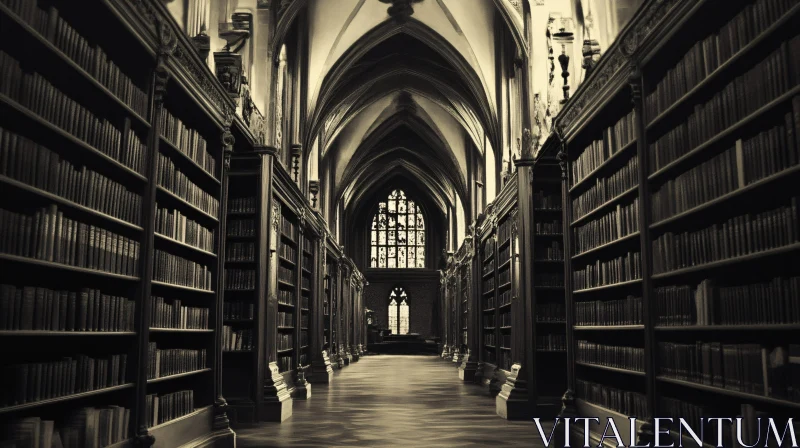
pixel 397 235
pixel 398 312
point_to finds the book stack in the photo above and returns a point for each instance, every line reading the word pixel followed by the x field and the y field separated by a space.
pixel 50 236
pixel 175 315
pixel 178 183
pixel 80 428
pixel 163 408
pixel 549 228
pixel 236 340
pixel 552 342
pixel 173 361
pixel 620 357
pixel 238 311
pixel 606 189
pixel 241 227
pixel 172 269
pixel 240 252
pixel 285 319
pixel 240 279
pixel 632 404
pixel 188 141
pixel 553 252
pixel 627 311
pixel 26 161
pixel 68 376
pixel 550 312
pixel 602 273
pixel 242 205
pixel 286 297
pixel 285 341
pixel 176 225
pixel 546 201
pixel 619 222
pixel 43 309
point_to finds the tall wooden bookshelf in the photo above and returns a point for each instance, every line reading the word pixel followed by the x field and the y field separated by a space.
pixel 700 200
pixel 549 348
pixel 114 253
pixel 288 300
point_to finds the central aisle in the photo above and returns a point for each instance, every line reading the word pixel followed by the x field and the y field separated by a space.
pixel 412 401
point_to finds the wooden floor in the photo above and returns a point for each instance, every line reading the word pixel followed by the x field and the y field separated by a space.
pixel 392 400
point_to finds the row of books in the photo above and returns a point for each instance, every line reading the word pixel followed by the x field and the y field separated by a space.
pixel 749 368
pixel 710 53
pixel 304 322
pixel 288 228
pixel 548 228
pixel 548 280
pixel 550 312
pixel 288 252
pixel 285 363
pixel 621 357
pixel 633 404
pixel 90 57
pixel 308 262
pixel 187 140
pixel 167 407
pixel 551 342
pixel 238 310
pixel 305 282
pixel 172 361
pixel 304 302
pixel 178 183
pixel 546 201
pixel 37 381
pixel 37 308
pixel 241 227
pixel 304 338
pixel 172 269
pixel 285 297
pixel 504 277
pixel 624 268
pixel 30 163
pixel 242 205
pixel 773 150
pixel 286 275
pixel 240 279
pixel 505 319
pixel 488 285
pixel 605 189
pixel 504 230
pixel 33 91
pixel 627 311
pixel 80 428
pixel 240 251
pixel 490 339
pixel 614 139
pixel 760 85
pixel 176 225
pixel 285 341
pixel 553 252
pixel 236 340
pixel 702 183
pixel 738 236
pixel 285 319
pixel 504 298
pixel 50 236
pixel 618 223
pixel 489 302
pixel 176 315
pixel 504 255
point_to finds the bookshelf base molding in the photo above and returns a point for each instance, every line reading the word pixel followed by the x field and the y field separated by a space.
pixel 512 402
pixel 467 370
pixel 321 370
pixel 223 438
pixel 302 390
pixel 496 380
pixel 277 403
pixel 241 411
pixel 477 377
pixel 446 352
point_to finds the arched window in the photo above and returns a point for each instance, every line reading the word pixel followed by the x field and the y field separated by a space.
pixel 398 311
pixel 397 234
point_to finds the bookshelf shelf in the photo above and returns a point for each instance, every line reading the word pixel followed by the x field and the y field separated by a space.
pixel 36 404
pixel 181 288
pixel 45 333
pixel 608 287
pixel 177 376
pixel 741 327
pixel 726 199
pixel 504 265
pixel 286 284
pixel 61 63
pixel 681 162
pixel 287 261
pixel 611 369
pixel 288 305
pixel 191 209
pixel 56 137
pixel 604 166
pixel 608 327
pixel 181 330
pixel 194 249
pixel 195 171
pixel 288 350
pixel 630 193
pixel 67 204
pixel 731 393
pixel 64 267
pixel 734 62
pixel 163 426
pixel 618 242
pixel 754 257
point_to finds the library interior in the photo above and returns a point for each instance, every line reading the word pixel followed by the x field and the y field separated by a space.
pixel 398 222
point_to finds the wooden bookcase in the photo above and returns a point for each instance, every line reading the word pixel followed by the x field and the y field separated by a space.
pixel 119 159
pixel 700 200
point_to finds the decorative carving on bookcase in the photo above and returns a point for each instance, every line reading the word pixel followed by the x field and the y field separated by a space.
pixel 227 138
pixel 167 42
pixel 220 414
pixel 228 67
pixel 297 153
pixel 200 76
pixel 654 13
pixel 146 11
pixel 635 82
pixel 276 217
pixel 589 93
pixel 302 220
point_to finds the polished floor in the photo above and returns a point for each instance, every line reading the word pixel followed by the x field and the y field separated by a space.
pixel 392 400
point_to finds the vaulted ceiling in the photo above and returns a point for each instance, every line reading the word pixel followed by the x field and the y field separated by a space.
pixel 399 96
